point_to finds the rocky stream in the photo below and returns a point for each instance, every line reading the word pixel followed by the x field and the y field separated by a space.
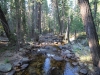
pixel 50 56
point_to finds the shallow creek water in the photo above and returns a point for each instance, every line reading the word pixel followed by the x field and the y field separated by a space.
pixel 46 65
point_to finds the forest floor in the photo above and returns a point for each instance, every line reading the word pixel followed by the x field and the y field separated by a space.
pixel 78 50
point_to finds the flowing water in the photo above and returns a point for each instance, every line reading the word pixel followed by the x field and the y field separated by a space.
pixel 45 65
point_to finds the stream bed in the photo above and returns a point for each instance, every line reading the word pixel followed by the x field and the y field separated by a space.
pixel 46 65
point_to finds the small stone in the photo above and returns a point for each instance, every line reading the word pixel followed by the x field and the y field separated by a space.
pixel 5 67
pixel 24 66
pixel 21 49
pixel 74 63
pixel 69 55
pixel 83 71
pixel 24 60
pixel 57 58
pixel 67 51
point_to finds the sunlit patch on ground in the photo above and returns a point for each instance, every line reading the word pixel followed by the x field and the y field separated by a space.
pixel 86 58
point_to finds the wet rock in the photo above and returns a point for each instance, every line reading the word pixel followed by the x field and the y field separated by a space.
pixel 74 63
pixel 24 66
pixel 42 51
pixel 24 60
pixel 11 72
pixel 67 52
pixel 83 71
pixel 57 58
pixel 69 55
pixel 5 67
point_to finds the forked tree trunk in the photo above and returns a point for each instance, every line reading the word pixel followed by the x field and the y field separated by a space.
pixel 6 26
pixel 90 30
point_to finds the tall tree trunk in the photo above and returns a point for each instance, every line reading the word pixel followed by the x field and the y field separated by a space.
pixel 58 17
pixel 6 26
pixel 63 15
pixel 67 31
pixel 18 26
pixel 39 17
pixel 33 20
pixel 90 30
pixel 23 20
pixel 29 20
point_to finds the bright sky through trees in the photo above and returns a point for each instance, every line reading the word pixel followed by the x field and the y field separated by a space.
pixel 49 2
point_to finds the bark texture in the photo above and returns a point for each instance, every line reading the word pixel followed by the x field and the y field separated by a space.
pixel 90 30
pixel 5 25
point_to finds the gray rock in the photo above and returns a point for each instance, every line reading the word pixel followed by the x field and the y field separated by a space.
pixel 11 72
pixel 24 60
pixel 24 66
pixel 57 58
pixel 83 71
pixel 21 49
pixel 42 51
pixel 69 55
pixel 5 67
pixel 81 64
pixel 74 63
pixel 67 52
